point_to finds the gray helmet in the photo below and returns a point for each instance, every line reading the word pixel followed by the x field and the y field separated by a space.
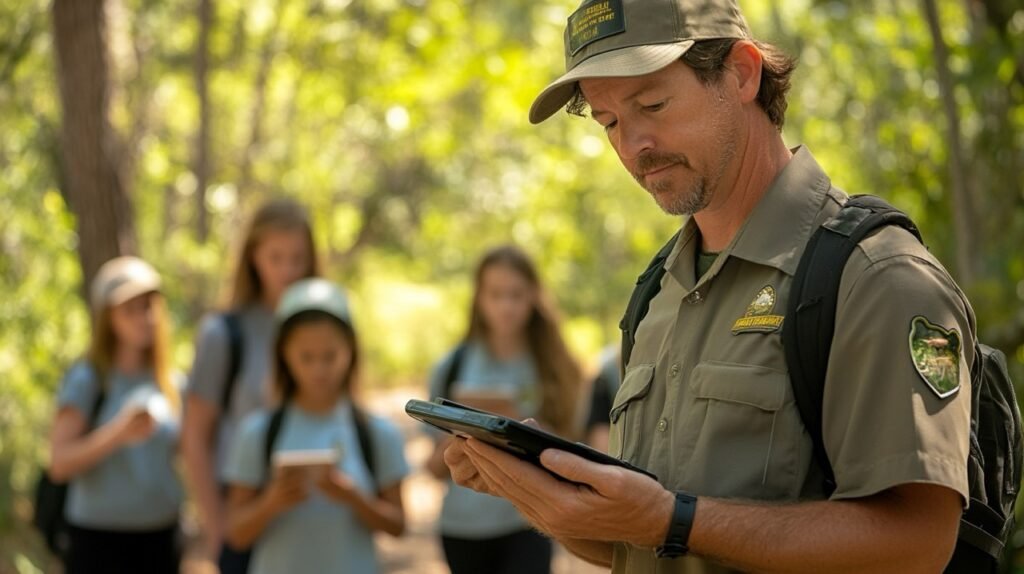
pixel 314 295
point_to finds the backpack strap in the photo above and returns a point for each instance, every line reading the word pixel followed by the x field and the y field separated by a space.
pixel 811 311
pixel 273 430
pixel 234 326
pixel 453 369
pixel 361 422
pixel 648 284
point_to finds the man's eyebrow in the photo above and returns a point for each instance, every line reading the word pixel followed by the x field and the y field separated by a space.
pixel 640 91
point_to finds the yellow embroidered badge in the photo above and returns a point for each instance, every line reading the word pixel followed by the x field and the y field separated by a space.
pixel 758 317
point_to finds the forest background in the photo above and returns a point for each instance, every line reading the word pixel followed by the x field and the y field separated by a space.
pixel 137 126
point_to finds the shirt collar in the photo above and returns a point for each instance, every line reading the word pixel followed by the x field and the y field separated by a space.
pixel 775 232
pixel 783 220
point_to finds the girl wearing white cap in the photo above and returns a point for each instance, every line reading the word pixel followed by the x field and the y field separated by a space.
pixel 231 371
pixel 116 431
pixel 310 481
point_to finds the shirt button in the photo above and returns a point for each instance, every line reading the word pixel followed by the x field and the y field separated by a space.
pixel 662 425
pixel 695 298
pixel 675 369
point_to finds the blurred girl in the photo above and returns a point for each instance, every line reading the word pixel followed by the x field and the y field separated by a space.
pixel 232 364
pixel 116 432
pixel 512 361
pixel 312 480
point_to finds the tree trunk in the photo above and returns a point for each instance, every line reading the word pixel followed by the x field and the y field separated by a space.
pixel 201 160
pixel 246 179
pixel 96 191
pixel 962 201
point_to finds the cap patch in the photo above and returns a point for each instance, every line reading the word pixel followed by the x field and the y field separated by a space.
pixel 936 355
pixel 595 20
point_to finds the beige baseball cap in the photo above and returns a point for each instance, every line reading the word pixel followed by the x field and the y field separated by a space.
pixel 622 38
pixel 121 279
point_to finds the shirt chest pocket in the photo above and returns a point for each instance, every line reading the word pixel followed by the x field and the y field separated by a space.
pixel 742 433
pixel 627 411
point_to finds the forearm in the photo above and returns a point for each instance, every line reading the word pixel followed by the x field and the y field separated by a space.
pixel 202 479
pixel 246 521
pixel 76 456
pixel 876 534
pixel 593 551
pixel 379 514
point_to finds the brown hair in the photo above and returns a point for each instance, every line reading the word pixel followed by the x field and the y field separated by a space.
pixel 285 386
pixel 707 59
pixel 560 375
pixel 158 356
pixel 275 215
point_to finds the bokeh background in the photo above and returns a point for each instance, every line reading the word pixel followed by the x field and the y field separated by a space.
pixel 154 127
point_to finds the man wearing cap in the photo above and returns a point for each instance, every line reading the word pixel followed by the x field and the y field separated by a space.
pixel 694 108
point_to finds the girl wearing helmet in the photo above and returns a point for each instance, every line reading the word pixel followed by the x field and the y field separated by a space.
pixel 303 490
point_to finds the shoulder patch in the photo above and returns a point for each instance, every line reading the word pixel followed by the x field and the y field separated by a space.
pixel 935 352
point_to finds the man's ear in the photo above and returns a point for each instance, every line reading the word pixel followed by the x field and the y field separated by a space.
pixel 744 62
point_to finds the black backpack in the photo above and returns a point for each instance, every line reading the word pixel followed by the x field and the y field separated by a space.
pixel 994 462
pixel 458 355
pixel 51 498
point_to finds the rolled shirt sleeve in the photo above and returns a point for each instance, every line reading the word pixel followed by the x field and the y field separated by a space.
pixel 884 424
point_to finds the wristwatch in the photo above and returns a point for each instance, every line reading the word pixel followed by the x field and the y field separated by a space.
pixel 679 530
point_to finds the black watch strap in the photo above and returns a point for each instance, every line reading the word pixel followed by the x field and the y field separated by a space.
pixel 678 537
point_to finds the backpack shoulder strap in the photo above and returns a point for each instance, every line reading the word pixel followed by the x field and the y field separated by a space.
pixel 273 430
pixel 648 284
pixel 234 326
pixel 458 355
pixel 101 395
pixel 811 311
pixel 362 423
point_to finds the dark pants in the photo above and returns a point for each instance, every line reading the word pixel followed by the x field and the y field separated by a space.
pixel 233 561
pixel 122 552
pixel 525 552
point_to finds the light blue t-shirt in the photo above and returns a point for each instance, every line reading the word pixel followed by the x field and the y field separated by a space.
pixel 465 513
pixel 136 487
pixel 212 362
pixel 318 535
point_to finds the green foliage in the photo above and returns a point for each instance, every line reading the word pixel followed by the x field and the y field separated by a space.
pixel 402 124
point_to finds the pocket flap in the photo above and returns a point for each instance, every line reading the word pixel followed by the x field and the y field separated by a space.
pixel 635 385
pixel 759 387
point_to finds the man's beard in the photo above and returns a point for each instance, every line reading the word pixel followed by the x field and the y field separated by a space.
pixel 687 202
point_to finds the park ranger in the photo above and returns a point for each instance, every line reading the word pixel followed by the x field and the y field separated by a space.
pixel 694 108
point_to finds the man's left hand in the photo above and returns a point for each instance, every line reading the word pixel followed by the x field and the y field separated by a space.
pixel 603 502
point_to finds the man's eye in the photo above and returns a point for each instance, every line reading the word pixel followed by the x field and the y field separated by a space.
pixel 654 107
pixel 609 126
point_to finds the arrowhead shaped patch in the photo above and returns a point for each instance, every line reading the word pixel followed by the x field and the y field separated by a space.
pixel 935 352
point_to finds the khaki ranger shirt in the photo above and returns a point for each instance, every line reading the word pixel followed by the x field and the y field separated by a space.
pixel 706 402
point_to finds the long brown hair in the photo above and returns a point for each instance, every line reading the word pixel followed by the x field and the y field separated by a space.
pixel 285 386
pixel 560 374
pixel 275 215
pixel 158 356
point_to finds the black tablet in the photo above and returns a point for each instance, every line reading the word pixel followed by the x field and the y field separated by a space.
pixel 512 436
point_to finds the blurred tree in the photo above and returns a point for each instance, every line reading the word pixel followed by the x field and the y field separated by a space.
pixel 92 178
